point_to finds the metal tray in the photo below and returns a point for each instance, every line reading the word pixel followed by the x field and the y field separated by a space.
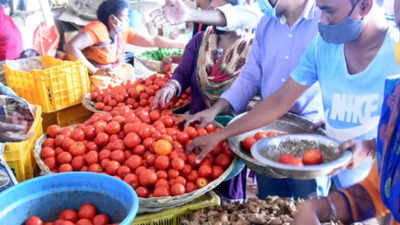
pixel 268 150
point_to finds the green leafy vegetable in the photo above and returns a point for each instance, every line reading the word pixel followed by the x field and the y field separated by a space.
pixel 161 53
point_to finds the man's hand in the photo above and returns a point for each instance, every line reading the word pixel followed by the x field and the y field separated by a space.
pixel 173 12
pixel 361 149
pixel 203 117
pixel 203 145
pixel 164 96
pixel 12 132
pixel 305 215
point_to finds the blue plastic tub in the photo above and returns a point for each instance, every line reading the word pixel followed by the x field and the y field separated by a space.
pixel 47 196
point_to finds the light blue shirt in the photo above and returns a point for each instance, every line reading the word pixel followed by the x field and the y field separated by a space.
pixel 276 51
pixel 352 102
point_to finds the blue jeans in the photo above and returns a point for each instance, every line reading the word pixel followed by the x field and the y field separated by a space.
pixel 291 188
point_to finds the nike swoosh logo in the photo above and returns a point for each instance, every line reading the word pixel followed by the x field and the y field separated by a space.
pixel 352 132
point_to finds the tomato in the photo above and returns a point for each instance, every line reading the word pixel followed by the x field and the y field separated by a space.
pixel 145 131
pixel 90 132
pixel 101 219
pixel 190 187
pixel 65 168
pixel 78 134
pixel 77 163
pixel 123 171
pixel 150 159
pixel 162 147
pixel 67 131
pixel 49 142
pixel 84 222
pixel 142 192
pixel 154 115
pixel 50 162
pixel 205 171
pixel 147 178
pixel 162 183
pixel 248 142
pixel 49 223
pixel 104 154
pixel 34 220
pixel 173 173
pixel 177 163
pixel 47 152
pixel 210 128
pixel 180 179
pixel 104 162
pixel 290 159
pixel 191 131
pixel 217 150
pixel 272 134
pixel 96 168
pixel 131 127
pixel 148 143
pixel 139 150
pixel 222 160
pixel 77 148
pixel 192 159
pixel 217 171
pixel 312 157
pixel 67 143
pixel 139 170
pixel 101 139
pixel 201 182
pixel 193 175
pixel 87 211
pixel 59 222
pixel 69 214
pixel 260 135
pixel 64 157
pixel 54 130
pixel 202 132
pixel 186 170
pixel 177 189
pixel 58 141
pixel 161 162
pixel 132 140
pixel 113 127
pixel 162 174
pixel 161 191
pixel 112 167
pixel 182 137
pixel 134 162
pixel 118 156
pixel 132 180
pixel 167 121
pixel 91 157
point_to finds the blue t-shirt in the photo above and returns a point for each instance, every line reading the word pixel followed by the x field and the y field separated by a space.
pixel 352 103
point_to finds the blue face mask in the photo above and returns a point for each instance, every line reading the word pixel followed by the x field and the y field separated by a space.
pixel 346 31
pixel 267 8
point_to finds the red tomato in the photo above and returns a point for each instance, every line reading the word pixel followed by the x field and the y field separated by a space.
pixel 54 130
pixel 177 189
pixel 59 222
pixel 123 171
pixel 65 168
pixel 167 121
pixel 47 152
pixel 210 128
pixel 91 157
pixel 69 214
pixel 161 162
pixel 67 131
pixel 162 183
pixel 191 131
pixel 192 159
pixel 87 211
pixel 90 132
pixel 118 156
pixel 131 127
pixel 217 171
pixel 49 223
pixel 260 135
pixel 290 160
pixel 96 168
pixel 145 131
pixel 84 222
pixel 34 220
pixel 101 219
pixel 222 160
pixel 172 173
pixel 132 180
pixel 78 134
pixel 112 138
pixel 161 191
pixel 162 174
pixel 205 171
pixel 186 170
pixel 180 179
pixel 201 132
pixel 148 143
pixel 112 167
pixel 142 192
pixel 101 139
pixel 177 163
pixel 64 157
pixel 132 140
pixel 139 170
pixel 150 159
pixel 134 162
pixel 147 178
pixel 58 141
pixel 217 150
pixel 272 133
pixel 104 154
pixel 113 127
pixel 312 157
pixel 139 150
pixel 193 175
pixel 67 143
pixel 77 163
pixel 78 148
pixel 248 142
pixel 201 182
pixel 182 137
pixel 190 186
pixel 49 142
pixel 50 162
pixel 154 115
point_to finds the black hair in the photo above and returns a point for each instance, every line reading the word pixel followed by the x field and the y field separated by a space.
pixel 110 7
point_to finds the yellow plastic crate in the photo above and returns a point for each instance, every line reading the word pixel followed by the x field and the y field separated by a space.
pixel 19 156
pixel 73 115
pixel 173 216
pixel 52 83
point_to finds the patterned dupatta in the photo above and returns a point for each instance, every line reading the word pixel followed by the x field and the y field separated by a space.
pixel 216 74
pixel 388 147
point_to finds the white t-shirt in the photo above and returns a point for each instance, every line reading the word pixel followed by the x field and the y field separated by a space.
pixel 243 17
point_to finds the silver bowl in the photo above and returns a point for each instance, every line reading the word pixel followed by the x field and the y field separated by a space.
pixel 289 123
pixel 268 150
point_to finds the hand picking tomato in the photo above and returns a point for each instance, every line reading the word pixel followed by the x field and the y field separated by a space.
pixel 290 159
pixel 312 157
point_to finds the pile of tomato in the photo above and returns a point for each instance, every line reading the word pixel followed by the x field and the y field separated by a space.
pixel 250 140
pixel 143 147
pixel 86 215
pixel 139 93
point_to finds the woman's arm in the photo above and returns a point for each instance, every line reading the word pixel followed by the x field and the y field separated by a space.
pixel 75 46
pixel 156 41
